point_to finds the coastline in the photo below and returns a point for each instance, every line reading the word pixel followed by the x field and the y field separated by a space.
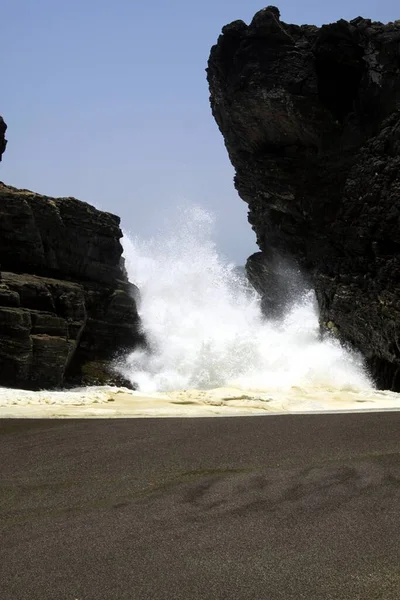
pixel 110 402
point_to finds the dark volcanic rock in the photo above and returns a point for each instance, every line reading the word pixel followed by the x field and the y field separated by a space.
pixel 278 282
pixel 66 307
pixel 3 141
pixel 311 121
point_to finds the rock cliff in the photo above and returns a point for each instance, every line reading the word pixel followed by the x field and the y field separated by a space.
pixel 3 141
pixel 66 306
pixel 311 122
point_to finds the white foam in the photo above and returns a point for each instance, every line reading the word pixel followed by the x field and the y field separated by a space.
pixel 206 329
pixel 109 402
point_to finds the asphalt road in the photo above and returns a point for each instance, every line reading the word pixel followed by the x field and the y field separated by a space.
pixel 278 507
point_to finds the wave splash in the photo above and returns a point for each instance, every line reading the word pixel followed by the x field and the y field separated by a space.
pixel 206 330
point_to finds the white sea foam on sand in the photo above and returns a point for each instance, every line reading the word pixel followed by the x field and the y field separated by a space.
pixel 120 402
pixel 211 351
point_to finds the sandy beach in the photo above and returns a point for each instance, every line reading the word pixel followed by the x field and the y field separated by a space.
pixel 285 507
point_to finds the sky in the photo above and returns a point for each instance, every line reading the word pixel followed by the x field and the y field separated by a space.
pixel 107 101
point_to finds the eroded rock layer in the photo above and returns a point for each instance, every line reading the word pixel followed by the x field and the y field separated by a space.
pixel 311 120
pixel 66 307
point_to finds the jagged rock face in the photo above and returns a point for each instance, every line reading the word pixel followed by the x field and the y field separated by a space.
pixel 66 307
pixel 311 121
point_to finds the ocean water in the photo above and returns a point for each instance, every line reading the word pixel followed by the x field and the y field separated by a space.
pixel 205 327
pixel 210 350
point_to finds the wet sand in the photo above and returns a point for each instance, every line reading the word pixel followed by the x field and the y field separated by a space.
pixel 286 507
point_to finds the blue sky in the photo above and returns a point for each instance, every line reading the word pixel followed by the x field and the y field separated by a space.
pixel 107 101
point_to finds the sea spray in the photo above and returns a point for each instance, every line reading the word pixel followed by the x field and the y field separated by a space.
pixel 205 327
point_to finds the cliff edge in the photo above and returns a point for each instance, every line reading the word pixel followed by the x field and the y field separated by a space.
pixel 66 306
pixel 311 121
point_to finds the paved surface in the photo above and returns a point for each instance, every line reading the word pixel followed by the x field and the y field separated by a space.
pixel 278 507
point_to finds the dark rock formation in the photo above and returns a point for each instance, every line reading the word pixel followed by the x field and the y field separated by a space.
pixel 66 307
pixel 3 141
pixel 311 121
pixel 278 282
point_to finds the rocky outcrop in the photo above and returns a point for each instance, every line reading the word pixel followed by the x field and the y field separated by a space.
pixel 3 141
pixel 311 121
pixel 66 307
